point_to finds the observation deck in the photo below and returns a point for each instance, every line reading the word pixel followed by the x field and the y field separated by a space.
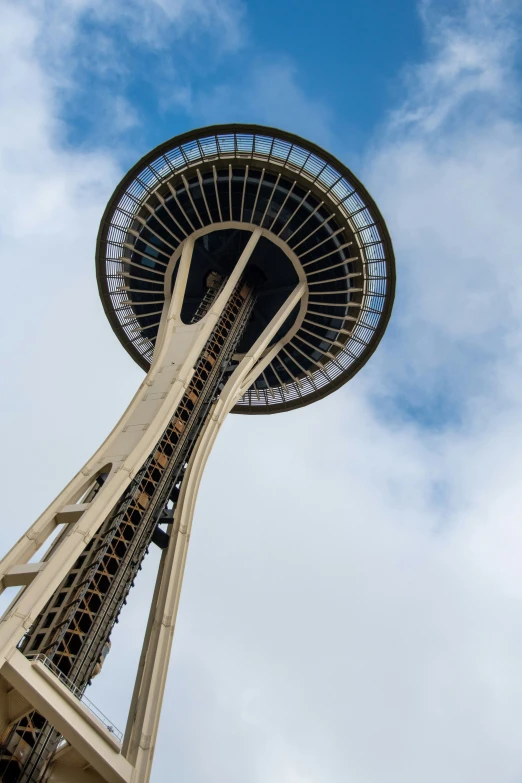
pixel 319 226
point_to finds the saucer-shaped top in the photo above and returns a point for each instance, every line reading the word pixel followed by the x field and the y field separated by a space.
pixel 319 226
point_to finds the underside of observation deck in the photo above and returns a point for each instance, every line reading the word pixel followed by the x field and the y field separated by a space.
pixel 319 225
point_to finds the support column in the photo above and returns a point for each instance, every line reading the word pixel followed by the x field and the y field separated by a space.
pixel 126 449
pixel 142 726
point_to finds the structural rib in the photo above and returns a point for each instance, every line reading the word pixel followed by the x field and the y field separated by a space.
pixel 176 199
pixel 245 179
pixel 334 266
pixel 143 254
pixel 169 230
pixel 282 205
pixel 306 220
pixel 270 200
pixel 189 194
pixel 316 229
pixel 146 226
pixel 169 213
pixel 326 255
pixel 214 172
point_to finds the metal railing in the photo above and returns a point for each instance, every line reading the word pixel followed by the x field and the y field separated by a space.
pixel 77 693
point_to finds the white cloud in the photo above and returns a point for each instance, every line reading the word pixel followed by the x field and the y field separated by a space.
pixel 450 190
pixel 52 198
pixel 471 58
pixel 367 599
pixel 356 615
pixel 154 23
pixel 269 91
pixel 123 114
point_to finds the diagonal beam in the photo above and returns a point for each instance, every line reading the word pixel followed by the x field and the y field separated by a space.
pixel 181 279
pixel 238 270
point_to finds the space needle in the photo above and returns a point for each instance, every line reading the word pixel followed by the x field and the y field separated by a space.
pixel 246 271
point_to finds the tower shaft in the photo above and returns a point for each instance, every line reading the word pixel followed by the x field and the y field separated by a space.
pixel 55 634
pixel 73 630
pixel 246 271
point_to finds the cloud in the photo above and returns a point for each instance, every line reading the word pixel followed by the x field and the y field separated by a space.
pixel 103 59
pixel 450 191
pixel 364 591
pixel 267 91
pixel 471 58
pixel 374 643
pixel 52 197
pixel 352 597
pixel 154 24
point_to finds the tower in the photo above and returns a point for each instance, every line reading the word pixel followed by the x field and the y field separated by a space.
pixel 246 271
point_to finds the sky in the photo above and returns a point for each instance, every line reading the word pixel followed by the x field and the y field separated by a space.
pixel 351 611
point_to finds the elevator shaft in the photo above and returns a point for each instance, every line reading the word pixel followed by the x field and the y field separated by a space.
pixel 72 632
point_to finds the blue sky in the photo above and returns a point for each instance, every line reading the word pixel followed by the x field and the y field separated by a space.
pixel 361 621
pixel 348 58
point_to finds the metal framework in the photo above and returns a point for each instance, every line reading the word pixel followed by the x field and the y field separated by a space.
pixel 247 271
